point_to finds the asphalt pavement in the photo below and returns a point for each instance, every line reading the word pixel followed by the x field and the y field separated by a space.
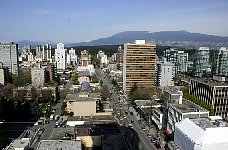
pixel 145 141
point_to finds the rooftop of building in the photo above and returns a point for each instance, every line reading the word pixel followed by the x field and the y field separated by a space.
pixel 210 81
pixel 187 106
pixel 19 144
pixel 84 73
pixel 147 103
pixel 208 123
pixel 59 144
pixel 79 96
pixel 28 87
pixel 172 90
pixel 92 119
pixel 201 134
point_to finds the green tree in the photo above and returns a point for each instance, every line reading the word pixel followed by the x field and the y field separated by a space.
pixel 71 114
pixel 23 78
pixel 63 108
pixel 101 82
pixel 74 78
pixel 105 92
pixel 199 102
pixel 34 93
pixel 94 79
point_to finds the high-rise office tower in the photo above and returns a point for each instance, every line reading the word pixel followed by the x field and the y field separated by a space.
pixel 201 61
pixel 60 56
pixel 9 56
pixel 139 65
pixel 220 62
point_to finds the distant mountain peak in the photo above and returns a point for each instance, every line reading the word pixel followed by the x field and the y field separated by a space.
pixel 161 38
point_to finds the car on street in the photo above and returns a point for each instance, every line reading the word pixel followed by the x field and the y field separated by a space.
pixel 130 125
pixel 132 121
pixel 143 128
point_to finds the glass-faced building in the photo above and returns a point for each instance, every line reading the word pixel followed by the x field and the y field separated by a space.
pixel 201 62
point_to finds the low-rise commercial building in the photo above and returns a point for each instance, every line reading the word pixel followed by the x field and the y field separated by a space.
pixel 176 109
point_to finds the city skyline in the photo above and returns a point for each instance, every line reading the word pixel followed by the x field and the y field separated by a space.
pixel 77 21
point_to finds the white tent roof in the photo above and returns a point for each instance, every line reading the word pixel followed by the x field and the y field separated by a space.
pixel 191 130
pixel 215 135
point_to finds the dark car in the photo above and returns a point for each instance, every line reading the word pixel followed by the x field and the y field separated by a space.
pixel 158 146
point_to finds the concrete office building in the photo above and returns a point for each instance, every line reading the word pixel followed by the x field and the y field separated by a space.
pixel 176 109
pixel 200 134
pixel 9 56
pixel 51 71
pixel 60 56
pixel 220 63
pixel 139 65
pixel 201 62
pixel 165 73
pixel 84 103
pixel 38 76
pixel 211 92
pixel 182 61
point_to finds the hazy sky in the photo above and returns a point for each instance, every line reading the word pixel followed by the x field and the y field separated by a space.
pixel 83 20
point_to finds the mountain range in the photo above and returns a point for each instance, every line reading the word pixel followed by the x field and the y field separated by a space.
pixel 168 38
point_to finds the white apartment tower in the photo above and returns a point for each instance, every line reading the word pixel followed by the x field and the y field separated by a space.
pixel 73 57
pixel 165 73
pixel 46 53
pixel 60 56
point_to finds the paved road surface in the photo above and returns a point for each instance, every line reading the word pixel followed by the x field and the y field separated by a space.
pixel 145 141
